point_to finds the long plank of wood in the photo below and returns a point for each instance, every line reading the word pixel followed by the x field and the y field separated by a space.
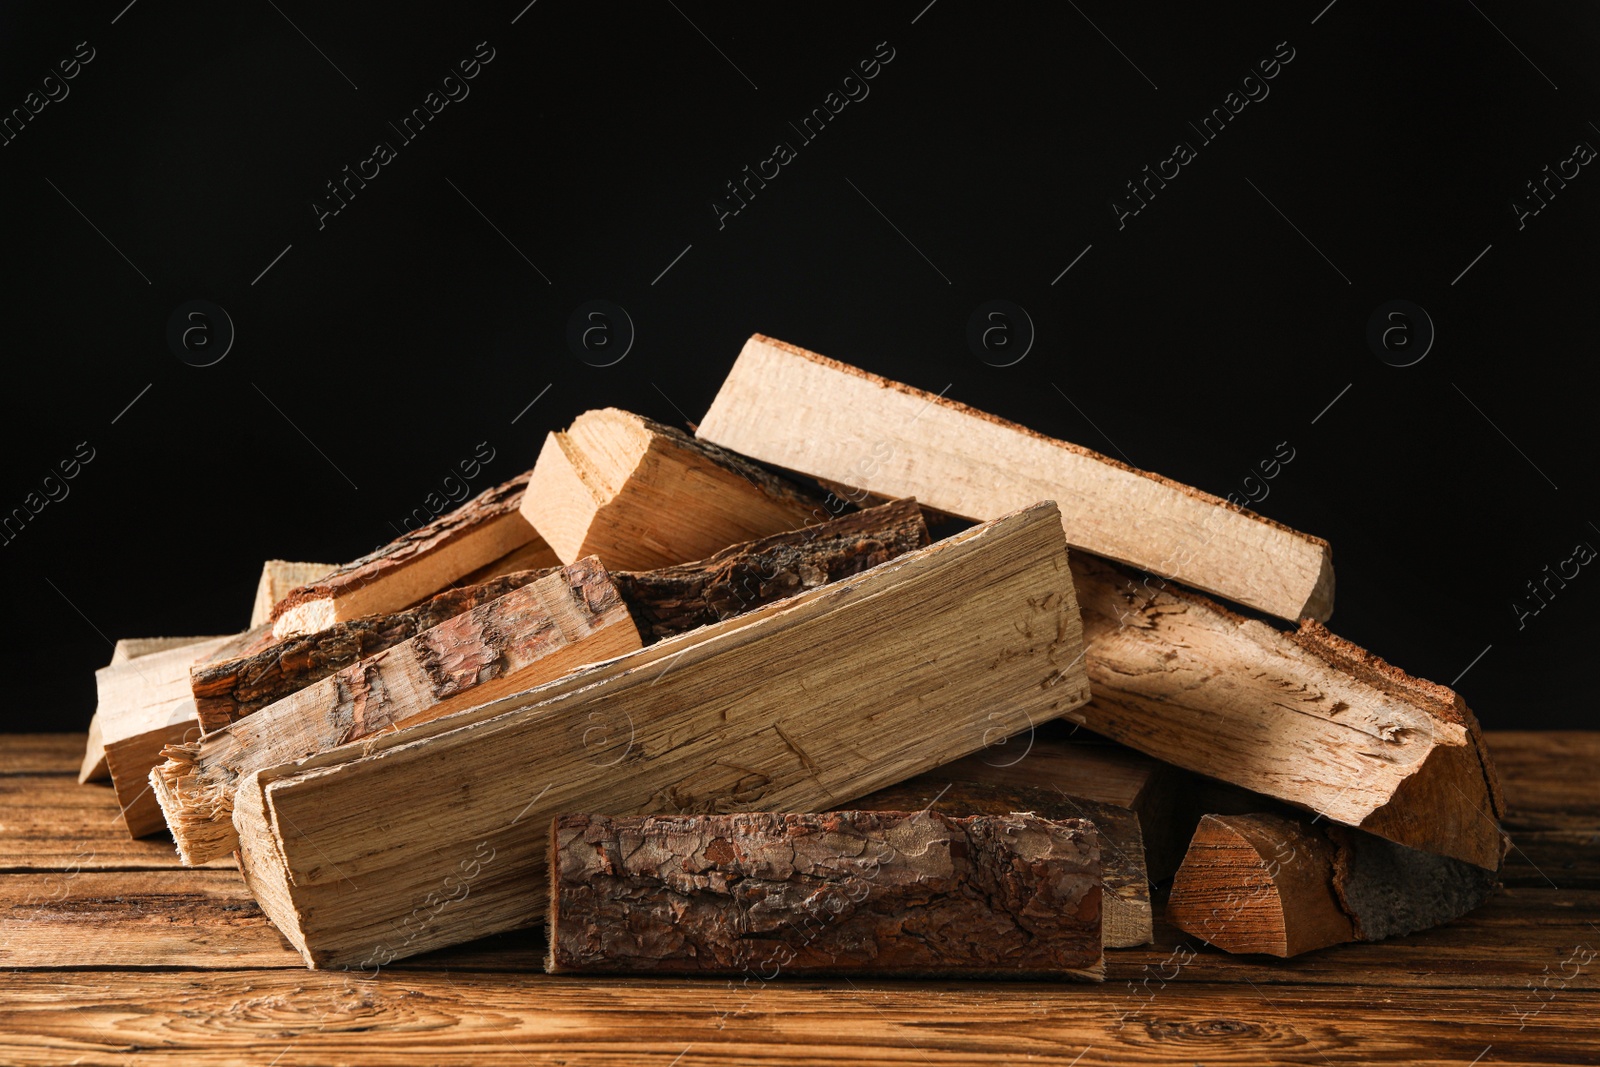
pixel 642 495
pixel 414 565
pixel 531 634
pixel 796 409
pixel 846 892
pixel 145 705
pixel 513 1020
pixel 278 577
pixel 785 707
pixel 1264 883
pixel 93 767
pixel 991 783
pixel 1306 718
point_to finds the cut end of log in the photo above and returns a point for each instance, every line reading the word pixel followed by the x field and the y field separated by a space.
pixel 200 815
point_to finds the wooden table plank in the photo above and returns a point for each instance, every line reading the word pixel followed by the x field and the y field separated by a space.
pixel 41 753
pixel 1549 778
pixel 48 822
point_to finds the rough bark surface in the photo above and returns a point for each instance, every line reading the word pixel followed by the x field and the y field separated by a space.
pixel 840 892
pixel 228 690
pixel 670 600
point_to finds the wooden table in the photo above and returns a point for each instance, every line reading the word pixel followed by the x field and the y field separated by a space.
pixel 112 953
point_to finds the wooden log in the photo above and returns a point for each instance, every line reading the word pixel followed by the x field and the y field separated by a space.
pixel 1269 884
pixel 145 705
pixel 533 633
pixel 796 409
pixel 1045 782
pixel 642 495
pixel 670 600
pixel 93 768
pixel 278 577
pixel 847 892
pixel 785 708
pixel 414 565
pixel 1304 717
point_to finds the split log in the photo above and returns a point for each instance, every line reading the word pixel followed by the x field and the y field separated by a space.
pixel 798 410
pixel 1264 883
pixel 413 566
pixel 532 634
pixel 642 495
pixel 673 599
pixel 785 708
pixel 278 577
pixel 1055 780
pixel 847 892
pixel 145 705
pixel 1304 717
pixel 94 767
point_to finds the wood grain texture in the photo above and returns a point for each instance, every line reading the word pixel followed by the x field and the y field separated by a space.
pixel 533 633
pixel 414 565
pixel 93 767
pixel 784 707
pixel 1305 718
pixel 796 409
pixel 845 892
pixel 278 577
pixel 642 495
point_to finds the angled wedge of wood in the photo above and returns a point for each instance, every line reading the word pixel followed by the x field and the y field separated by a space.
pixel 278 577
pixel 94 753
pixel 785 708
pixel 796 409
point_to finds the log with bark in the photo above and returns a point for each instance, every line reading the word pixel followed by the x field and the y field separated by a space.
pixel 278 577
pixel 1304 717
pixel 796 409
pixel 846 892
pixel 536 632
pixel 1283 886
pixel 642 495
pixel 414 565
pixel 786 708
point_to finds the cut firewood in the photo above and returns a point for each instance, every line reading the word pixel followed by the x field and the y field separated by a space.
pixel 145 705
pixel 413 566
pixel 786 708
pixel 642 495
pixel 798 410
pixel 1269 884
pixel 94 753
pixel 1304 717
pixel 134 647
pixel 1046 782
pixel 673 599
pixel 532 634
pixel 278 577
pixel 847 892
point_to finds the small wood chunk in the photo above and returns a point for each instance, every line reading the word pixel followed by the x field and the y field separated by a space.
pixel 846 892
pixel 642 495
pixel 414 565
pixel 783 405
pixel 278 577
pixel 1304 717
pixel 673 599
pixel 785 707
pixel 533 633
pixel 1281 886
pixel 94 767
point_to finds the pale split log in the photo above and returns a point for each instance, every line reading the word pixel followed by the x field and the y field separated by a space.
pixel 642 495
pixel 784 708
pixel 845 892
pixel 795 409
pixel 278 576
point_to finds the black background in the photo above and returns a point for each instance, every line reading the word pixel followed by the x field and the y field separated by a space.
pixel 382 348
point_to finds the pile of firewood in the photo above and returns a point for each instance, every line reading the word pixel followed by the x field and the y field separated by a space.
pixel 700 718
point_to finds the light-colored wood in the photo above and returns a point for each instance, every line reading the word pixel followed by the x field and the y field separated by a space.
pixel 843 892
pixel 784 708
pixel 416 565
pixel 1283 886
pixel 278 576
pixel 795 409
pixel 1305 718
pixel 144 705
pixel 642 495
pixel 94 767
pixel 532 634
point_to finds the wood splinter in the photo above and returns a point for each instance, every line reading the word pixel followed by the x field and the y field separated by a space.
pixel 845 892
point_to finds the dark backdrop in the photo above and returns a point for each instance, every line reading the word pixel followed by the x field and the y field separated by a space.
pixel 1196 337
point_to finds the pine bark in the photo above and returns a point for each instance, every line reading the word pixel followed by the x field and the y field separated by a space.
pixel 848 892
